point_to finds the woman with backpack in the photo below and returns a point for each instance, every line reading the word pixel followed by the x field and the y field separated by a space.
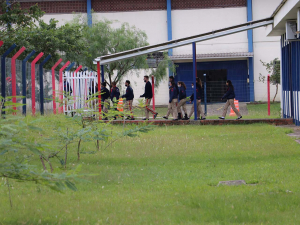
pixel 182 100
pixel 229 95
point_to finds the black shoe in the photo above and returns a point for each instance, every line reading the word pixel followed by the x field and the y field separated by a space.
pixel 175 119
pixel 132 118
pixel 179 116
pixel 115 118
pixel 155 115
pixel 165 117
pixel 203 118
pixel 105 118
pixel 145 119
pixel 185 117
pixel 239 118
pixel 222 118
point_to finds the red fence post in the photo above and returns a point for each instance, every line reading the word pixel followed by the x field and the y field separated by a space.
pixel 60 88
pixel 33 81
pixel 153 93
pixel 269 101
pixel 1 43
pixel 99 87
pixel 13 76
pixel 53 84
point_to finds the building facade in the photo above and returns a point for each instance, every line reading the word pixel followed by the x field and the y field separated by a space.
pixel 236 57
pixel 287 26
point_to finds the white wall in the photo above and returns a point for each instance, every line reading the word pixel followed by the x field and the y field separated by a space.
pixel 265 48
pixel 191 22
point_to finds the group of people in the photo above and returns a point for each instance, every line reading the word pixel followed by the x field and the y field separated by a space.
pixel 177 99
pixel 114 95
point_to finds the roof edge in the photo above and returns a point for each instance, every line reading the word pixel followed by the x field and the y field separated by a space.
pixel 279 7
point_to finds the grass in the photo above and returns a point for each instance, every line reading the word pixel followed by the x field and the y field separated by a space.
pixel 255 111
pixel 170 176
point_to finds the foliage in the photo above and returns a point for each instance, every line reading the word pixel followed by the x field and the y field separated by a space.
pixel 169 176
pixel 273 69
pixel 108 37
pixel 26 28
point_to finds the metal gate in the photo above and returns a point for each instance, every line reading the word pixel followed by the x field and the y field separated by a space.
pixel 79 92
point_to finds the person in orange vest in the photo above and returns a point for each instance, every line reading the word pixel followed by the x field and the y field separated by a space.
pixel 229 96
pixel 148 97
pixel 129 96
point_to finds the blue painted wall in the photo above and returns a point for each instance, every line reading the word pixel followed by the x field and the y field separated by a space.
pixel 237 72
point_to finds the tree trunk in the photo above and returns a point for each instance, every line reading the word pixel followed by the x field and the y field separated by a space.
pixel 66 153
pixel 78 150
pixel 275 93
pixel 43 163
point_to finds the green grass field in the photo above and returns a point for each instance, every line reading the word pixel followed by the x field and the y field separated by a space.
pixel 170 176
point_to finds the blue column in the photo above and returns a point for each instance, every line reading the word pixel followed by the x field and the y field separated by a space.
pixel 205 98
pixel 102 73
pixel 250 49
pixel 169 23
pixel 24 85
pixel 70 67
pixel 3 74
pixel 89 12
pixel 42 84
pixel 194 80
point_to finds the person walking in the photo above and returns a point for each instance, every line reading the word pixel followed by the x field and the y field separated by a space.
pixel 114 96
pixel 173 102
pixel 104 99
pixel 230 96
pixel 198 99
pixel 148 96
pixel 182 100
pixel 171 80
pixel 129 96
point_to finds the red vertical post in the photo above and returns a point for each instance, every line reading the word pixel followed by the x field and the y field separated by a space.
pixel 60 87
pixel 269 101
pixel 53 84
pixel 99 87
pixel 153 93
pixel 33 81
pixel 13 76
pixel 1 43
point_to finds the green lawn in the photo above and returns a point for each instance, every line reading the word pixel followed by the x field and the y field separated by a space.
pixel 169 176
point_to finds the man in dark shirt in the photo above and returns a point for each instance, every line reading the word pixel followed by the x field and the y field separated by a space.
pixel 104 99
pixel 129 99
pixel 114 96
pixel 173 101
pixel 148 96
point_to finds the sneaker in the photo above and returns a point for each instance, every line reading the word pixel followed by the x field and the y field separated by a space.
pixel 165 117
pixel 203 118
pixel 132 118
pixel 222 118
pixel 145 119
pixel 155 115
pixel 239 118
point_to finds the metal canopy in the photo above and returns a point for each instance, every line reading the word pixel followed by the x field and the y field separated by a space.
pixel 184 41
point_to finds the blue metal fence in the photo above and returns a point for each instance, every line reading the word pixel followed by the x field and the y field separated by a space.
pixel 290 54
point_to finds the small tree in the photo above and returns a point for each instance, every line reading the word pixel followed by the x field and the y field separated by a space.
pixel 273 69
pixel 103 39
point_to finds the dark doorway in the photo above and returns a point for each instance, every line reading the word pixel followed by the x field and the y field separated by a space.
pixel 215 83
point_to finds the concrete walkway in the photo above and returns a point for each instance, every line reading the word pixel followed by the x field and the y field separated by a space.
pixel 216 109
